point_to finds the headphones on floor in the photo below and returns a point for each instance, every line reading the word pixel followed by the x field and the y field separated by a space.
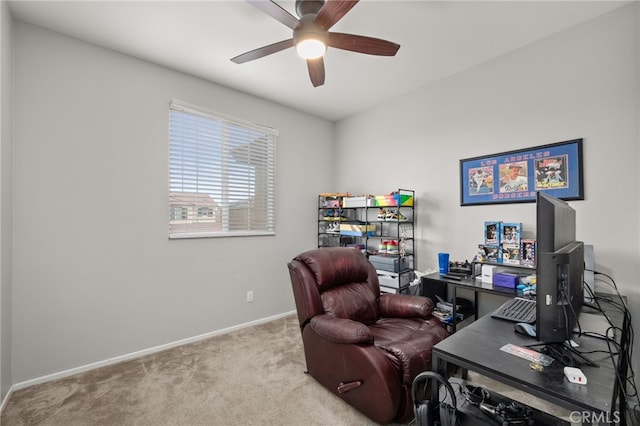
pixel 427 413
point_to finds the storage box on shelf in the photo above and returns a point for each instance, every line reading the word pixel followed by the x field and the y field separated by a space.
pixel 390 263
pixel 394 280
pixel 398 198
pixel 357 230
pixel 361 201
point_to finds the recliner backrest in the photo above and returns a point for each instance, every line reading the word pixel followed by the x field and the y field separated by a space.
pixel 354 301
pixel 346 282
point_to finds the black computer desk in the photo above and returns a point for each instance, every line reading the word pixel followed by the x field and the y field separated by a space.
pixel 476 347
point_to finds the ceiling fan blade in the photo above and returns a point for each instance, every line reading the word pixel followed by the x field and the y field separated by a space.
pixel 263 51
pixel 362 44
pixel 333 11
pixel 316 71
pixel 275 11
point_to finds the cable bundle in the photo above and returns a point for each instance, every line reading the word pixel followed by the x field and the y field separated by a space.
pixel 625 393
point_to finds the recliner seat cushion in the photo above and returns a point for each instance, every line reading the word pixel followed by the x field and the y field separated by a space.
pixel 408 342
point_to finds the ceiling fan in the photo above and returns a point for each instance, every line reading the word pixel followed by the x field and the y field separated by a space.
pixel 311 35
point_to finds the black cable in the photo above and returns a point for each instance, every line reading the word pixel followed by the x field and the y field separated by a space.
pixel 625 376
pixel 564 351
pixel 567 325
pixel 597 307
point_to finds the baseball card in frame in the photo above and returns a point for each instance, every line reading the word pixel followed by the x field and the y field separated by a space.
pixel 516 176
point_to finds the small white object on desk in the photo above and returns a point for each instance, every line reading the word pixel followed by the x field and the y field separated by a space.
pixel 487 273
pixel 575 375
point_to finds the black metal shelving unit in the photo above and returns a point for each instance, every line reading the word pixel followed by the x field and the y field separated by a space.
pixel 380 226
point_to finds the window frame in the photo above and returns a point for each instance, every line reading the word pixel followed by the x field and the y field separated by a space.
pixel 228 167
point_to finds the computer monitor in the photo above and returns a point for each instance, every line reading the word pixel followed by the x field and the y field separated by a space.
pixel 559 270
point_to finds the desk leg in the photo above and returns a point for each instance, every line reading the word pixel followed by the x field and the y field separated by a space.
pixel 439 366
pixel 475 306
pixel 454 300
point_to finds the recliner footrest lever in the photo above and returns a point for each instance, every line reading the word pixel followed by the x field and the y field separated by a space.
pixel 346 387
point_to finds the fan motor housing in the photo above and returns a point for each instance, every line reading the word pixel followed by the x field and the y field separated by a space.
pixel 304 7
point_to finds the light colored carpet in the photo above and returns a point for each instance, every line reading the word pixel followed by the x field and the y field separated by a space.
pixel 253 376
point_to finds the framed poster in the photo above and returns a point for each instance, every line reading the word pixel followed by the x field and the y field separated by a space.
pixel 516 176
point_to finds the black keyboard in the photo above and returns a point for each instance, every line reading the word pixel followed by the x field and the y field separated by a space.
pixel 517 310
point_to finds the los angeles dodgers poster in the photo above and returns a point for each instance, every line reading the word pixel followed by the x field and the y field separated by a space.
pixel 516 176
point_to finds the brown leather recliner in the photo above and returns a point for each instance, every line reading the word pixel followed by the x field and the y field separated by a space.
pixel 365 347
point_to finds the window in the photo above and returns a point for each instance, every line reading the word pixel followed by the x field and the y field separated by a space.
pixel 221 175
pixel 178 213
pixel 205 212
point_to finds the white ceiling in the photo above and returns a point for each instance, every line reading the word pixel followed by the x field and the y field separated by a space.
pixel 437 38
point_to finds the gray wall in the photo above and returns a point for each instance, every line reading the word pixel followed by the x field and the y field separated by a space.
pixel 94 275
pixel 580 83
pixel 5 197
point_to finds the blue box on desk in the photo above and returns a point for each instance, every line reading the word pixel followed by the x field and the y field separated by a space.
pixel 505 279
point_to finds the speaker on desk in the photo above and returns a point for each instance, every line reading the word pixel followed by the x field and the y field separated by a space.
pixel 427 412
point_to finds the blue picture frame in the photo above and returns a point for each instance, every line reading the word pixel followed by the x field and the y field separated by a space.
pixel 516 176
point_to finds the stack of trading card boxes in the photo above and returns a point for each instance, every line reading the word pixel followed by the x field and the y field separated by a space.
pixel 503 244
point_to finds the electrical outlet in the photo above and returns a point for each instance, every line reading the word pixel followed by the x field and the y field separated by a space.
pixel 250 296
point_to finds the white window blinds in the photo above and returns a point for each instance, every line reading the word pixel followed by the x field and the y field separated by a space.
pixel 221 175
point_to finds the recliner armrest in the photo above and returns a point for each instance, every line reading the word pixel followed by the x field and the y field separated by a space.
pixel 341 330
pixel 405 306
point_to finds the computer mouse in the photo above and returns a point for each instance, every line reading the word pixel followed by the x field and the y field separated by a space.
pixel 525 328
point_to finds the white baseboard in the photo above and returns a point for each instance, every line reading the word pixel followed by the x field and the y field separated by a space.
pixel 115 360
pixel 6 398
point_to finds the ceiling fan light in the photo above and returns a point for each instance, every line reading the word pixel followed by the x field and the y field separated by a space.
pixel 310 48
